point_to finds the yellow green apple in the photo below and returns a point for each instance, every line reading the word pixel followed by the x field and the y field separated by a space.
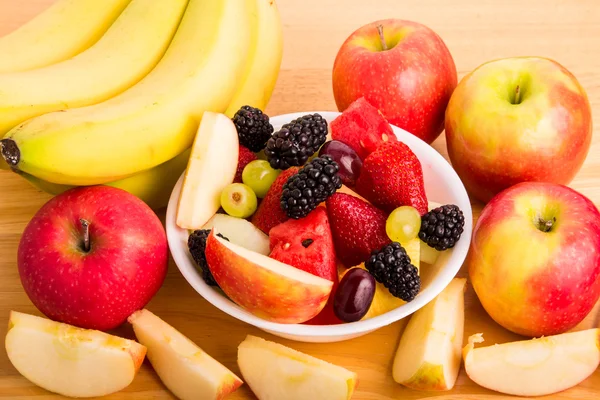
pixel 264 286
pixel 534 367
pixel 71 361
pixel 429 353
pixel 185 369
pixel 276 372
pixel 515 120
pixel 534 259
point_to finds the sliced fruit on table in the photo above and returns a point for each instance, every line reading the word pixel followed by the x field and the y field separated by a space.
pixel 383 300
pixel 126 53
pixel 245 157
pixel 269 212
pixel 306 244
pixel 184 368
pixel 68 360
pixel 212 165
pixel 63 30
pixel 391 177
pixel 238 200
pixel 362 127
pixel 534 367
pixel 154 120
pixel 265 287
pixel 429 353
pixel 358 228
pixel 241 232
pixel 276 372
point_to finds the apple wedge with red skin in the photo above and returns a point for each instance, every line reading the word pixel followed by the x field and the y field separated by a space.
pixel 267 288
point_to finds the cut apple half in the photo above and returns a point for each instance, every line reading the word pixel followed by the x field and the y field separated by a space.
pixel 71 361
pixel 212 166
pixel 184 368
pixel 241 232
pixel 429 353
pixel 534 367
pixel 265 287
pixel 276 372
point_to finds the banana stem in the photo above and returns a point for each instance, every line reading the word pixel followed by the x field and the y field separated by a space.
pixel 10 152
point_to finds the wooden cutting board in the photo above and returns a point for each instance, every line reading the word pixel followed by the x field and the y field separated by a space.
pixel 475 31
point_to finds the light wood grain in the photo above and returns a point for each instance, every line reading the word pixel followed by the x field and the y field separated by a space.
pixel 475 31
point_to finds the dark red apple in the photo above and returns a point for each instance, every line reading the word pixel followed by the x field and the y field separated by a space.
pixel 401 67
pixel 91 256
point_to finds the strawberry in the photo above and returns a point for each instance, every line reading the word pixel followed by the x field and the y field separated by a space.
pixel 358 228
pixel 244 158
pixel 362 127
pixel 269 212
pixel 391 177
pixel 306 244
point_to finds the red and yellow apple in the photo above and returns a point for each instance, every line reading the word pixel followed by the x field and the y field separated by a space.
pixel 71 361
pixel 264 286
pixel 91 256
pixel 516 120
pixel 401 67
pixel 534 260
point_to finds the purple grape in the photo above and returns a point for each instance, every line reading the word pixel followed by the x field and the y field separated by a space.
pixel 349 162
pixel 354 295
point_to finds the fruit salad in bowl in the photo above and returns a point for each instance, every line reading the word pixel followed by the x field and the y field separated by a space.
pixel 317 226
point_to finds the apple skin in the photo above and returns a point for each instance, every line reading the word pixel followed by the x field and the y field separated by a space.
pixel 494 144
pixel 99 289
pixel 531 282
pixel 410 83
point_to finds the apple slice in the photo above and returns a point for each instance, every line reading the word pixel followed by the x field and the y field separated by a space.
pixel 184 368
pixel 535 367
pixel 265 287
pixel 428 356
pixel 241 232
pixel 276 372
pixel 71 361
pixel 212 166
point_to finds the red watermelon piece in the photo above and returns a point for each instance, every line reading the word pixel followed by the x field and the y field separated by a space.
pixel 362 127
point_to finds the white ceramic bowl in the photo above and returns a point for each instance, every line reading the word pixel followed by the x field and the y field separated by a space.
pixel 442 185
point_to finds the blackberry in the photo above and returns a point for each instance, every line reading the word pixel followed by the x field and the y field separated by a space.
pixel 296 141
pixel 310 186
pixel 391 266
pixel 253 127
pixel 197 247
pixel 441 227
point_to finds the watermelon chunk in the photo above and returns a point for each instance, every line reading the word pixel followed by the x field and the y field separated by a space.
pixel 362 127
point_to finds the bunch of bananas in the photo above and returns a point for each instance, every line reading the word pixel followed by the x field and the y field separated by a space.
pixel 119 99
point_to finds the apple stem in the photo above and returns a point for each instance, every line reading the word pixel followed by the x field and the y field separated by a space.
pixel 546 225
pixel 517 95
pixel 383 44
pixel 86 234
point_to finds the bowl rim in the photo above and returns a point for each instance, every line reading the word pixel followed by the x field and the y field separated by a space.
pixel 443 278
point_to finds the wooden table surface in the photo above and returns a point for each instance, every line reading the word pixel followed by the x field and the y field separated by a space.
pixel 475 31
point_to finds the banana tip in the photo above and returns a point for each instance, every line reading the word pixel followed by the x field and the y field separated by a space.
pixel 10 152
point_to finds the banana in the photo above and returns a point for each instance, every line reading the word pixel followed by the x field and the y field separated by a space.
pixel 266 51
pixel 65 29
pixel 128 51
pixel 153 186
pixel 154 120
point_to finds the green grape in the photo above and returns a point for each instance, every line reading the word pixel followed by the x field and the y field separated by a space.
pixel 259 175
pixel 403 224
pixel 238 200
